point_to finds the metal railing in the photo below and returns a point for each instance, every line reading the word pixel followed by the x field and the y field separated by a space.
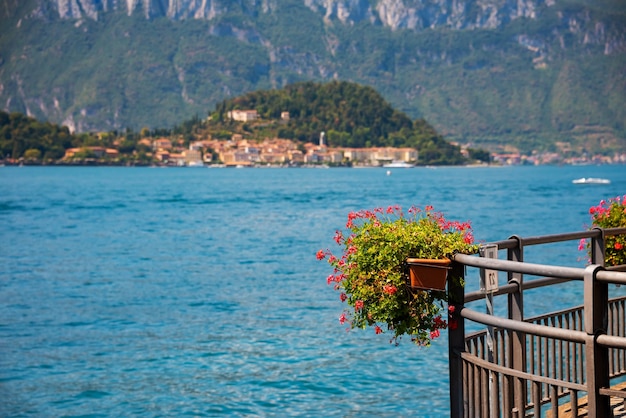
pixel 541 366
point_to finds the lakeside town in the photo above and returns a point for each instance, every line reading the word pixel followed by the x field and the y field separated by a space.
pixel 239 152
pixel 236 150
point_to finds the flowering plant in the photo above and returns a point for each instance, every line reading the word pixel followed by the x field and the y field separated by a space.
pixel 370 275
pixel 609 214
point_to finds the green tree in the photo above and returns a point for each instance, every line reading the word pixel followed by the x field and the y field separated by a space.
pixel 32 154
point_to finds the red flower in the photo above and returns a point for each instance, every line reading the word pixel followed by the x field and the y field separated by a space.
pixel 618 246
pixel 451 309
pixel 434 334
pixel 453 324
pixel 439 323
pixel 358 305
pixel 378 330
pixel 343 297
pixel 320 255
pixel 342 318
pixel 390 289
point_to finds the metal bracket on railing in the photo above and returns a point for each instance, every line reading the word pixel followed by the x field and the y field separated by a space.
pixel 489 277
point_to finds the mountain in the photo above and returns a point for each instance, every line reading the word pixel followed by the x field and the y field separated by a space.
pixel 534 74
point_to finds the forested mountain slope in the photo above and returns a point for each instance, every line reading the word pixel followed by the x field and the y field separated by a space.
pixel 530 73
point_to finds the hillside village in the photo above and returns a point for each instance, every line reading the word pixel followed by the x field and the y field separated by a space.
pixel 239 148
pixel 244 153
pixel 240 152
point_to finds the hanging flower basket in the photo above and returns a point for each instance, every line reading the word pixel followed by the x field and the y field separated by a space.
pixel 372 271
pixel 428 274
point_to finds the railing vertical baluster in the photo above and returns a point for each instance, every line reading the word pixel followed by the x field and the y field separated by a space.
pixel 612 331
pixel 484 395
pixel 471 389
pixel 558 351
pixel 477 390
pixel 554 352
pixel 539 359
pixel 466 390
pixel 568 346
pixel 537 389
pixel 554 400
pixel 483 399
pixel 495 402
pixel 580 351
pixel 506 383
pixel 573 400
pixel 532 367
pixel 621 354
pixel 551 359
pixel 503 341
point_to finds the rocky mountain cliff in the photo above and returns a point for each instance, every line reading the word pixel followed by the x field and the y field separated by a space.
pixel 478 70
pixel 396 14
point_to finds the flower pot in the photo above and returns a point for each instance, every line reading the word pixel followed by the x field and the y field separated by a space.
pixel 428 274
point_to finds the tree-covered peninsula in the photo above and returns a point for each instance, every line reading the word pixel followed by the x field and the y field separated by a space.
pixel 349 116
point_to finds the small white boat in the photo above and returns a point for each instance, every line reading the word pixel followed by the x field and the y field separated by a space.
pixel 398 164
pixel 591 180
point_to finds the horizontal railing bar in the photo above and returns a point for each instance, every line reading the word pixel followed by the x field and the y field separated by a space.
pixel 513 287
pixel 572 273
pixel 614 231
pixel 556 314
pixel 471 358
pixel 544 281
pixel 616 277
pixel 528 328
pixel 613 392
pixel 479 294
pixel 569 273
pixel 568 236
pixel 612 341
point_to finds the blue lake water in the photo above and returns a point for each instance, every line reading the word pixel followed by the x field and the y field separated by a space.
pixel 171 292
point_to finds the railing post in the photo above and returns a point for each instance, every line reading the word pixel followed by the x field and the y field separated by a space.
pixel 596 356
pixel 517 347
pixel 456 339
pixel 598 249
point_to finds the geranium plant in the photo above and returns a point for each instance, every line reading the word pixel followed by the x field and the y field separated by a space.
pixel 370 272
pixel 609 214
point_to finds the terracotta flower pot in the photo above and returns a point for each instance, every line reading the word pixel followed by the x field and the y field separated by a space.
pixel 428 274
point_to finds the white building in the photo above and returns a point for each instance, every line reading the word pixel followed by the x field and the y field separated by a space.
pixel 243 115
